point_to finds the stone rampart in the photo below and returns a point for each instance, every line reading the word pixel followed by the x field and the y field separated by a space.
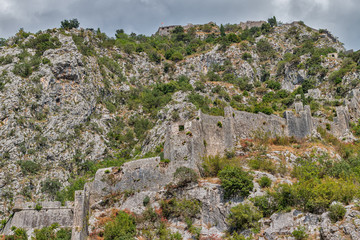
pixel 300 124
pixel 31 216
pixel 81 211
pixel 212 135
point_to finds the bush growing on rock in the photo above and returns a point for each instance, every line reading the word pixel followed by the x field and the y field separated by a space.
pixel 265 49
pixel 180 208
pixel 19 234
pixel 52 233
pixel 29 167
pixel 336 212
pixel 123 227
pixel 43 42
pixel 184 176
pixel 299 233
pixel 264 204
pixel 146 201
pixel 265 182
pixel 51 186
pixel 242 217
pixel 235 182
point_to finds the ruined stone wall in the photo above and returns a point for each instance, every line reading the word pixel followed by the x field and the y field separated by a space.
pixel 166 31
pixel 246 124
pixel 27 217
pixel 81 211
pixel 217 133
pixel 354 104
pixel 148 174
pixel 212 135
pixel 250 24
pixel 299 124
pixel 187 143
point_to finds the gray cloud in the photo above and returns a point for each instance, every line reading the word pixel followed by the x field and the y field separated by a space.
pixel 145 16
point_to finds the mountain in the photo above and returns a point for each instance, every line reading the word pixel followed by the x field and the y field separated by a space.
pixel 253 127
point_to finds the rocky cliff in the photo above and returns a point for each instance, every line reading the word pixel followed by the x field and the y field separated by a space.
pixel 76 101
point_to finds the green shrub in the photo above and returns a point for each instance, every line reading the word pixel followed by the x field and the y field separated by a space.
pixel 29 167
pixel 84 48
pixel 265 50
pixel 180 208
pixel 46 61
pixel 19 234
pixel 123 227
pixel 235 182
pixel 264 204
pixel 246 56
pixel 265 182
pixel 22 69
pixel 165 160
pixel 146 201
pixel 336 212
pixel 42 43
pixel 273 85
pixel 38 207
pixel 176 56
pixel 299 233
pixel 4 60
pixel 51 186
pixel 242 217
pixel 212 165
pixel 68 193
pixel 52 233
pixel 184 176
pixel 70 24
pixel 263 164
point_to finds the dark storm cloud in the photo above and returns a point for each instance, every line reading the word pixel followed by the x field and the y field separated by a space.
pixel 145 16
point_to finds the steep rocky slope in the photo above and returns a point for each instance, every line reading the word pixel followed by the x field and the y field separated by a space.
pixel 74 101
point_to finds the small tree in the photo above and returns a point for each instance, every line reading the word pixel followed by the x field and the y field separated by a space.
pixel 222 31
pixel 184 176
pixel 70 24
pixel 235 182
pixel 243 216
pixel 51 186
pixel 2 42
pixel 272 21
pixel 123 227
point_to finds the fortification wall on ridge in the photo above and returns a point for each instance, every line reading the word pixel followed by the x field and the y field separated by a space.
pixel 212 135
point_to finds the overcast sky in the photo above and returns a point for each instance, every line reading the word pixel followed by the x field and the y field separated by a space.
pixel 341 17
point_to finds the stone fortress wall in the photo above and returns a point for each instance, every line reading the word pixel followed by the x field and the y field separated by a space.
pixel 211 135
pixel 185 144
pixel 30 216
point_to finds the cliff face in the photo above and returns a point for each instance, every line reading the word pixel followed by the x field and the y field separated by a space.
pixel 74 101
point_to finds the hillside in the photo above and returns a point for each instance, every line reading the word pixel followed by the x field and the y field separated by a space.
pixel 74 101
